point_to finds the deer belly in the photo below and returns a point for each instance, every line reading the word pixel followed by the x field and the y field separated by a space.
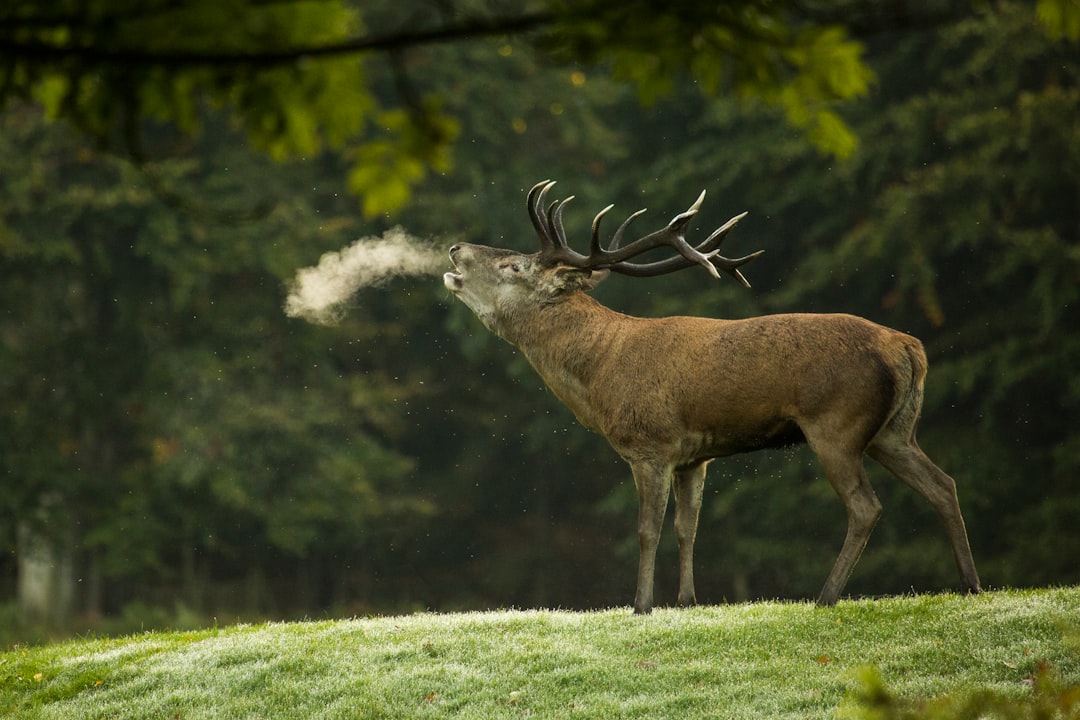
pixel 777 434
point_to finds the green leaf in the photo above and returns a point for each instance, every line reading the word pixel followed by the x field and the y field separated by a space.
pixel 1060 18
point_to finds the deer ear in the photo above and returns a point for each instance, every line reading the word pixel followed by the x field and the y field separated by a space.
pixel 569 278
pixel 595 278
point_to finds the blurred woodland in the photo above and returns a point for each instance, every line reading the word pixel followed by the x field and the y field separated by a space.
pixel 174 449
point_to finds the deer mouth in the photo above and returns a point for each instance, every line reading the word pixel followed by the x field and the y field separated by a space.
pixel 453 280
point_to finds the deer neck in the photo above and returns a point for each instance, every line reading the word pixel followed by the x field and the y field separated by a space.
pixel 565 342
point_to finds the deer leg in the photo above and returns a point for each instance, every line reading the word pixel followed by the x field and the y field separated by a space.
pixel 909 463
pixel 653 487
pixel 847 476
pixel 689 486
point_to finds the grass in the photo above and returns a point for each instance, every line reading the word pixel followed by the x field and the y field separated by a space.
pixel 771 659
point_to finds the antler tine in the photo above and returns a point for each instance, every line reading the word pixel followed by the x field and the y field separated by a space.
pixel 690 211
pixel 539 220
pixel 616 239
pixel 731 267
pixel 594 245
pixel 713 241
pixel 555 222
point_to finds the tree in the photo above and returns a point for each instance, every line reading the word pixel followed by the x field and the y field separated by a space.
pixel 167 423
pixel 295 75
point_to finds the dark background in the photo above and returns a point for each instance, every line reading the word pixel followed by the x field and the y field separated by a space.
pixel 174 450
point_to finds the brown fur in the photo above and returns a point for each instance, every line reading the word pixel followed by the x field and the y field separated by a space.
pixel 672 394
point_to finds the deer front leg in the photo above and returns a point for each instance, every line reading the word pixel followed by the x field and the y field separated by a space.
pixel 689 486
pixel 653 485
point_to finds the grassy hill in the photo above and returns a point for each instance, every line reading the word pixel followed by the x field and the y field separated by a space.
pixel 774 660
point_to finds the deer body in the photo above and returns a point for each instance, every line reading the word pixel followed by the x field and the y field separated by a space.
pixel 711 395
pixel 672 394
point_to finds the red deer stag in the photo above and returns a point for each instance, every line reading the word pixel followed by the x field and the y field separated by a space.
pixel 672 394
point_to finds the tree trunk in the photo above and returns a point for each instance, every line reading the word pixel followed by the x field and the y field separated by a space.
pixel 46 583
pixel 542 551
pixel 740 582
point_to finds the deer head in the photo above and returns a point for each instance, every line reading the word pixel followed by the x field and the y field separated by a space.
pixel 497 284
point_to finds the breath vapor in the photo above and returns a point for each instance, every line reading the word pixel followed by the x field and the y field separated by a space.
pixel 320 294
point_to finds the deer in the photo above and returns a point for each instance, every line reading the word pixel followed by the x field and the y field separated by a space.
pixel 672 394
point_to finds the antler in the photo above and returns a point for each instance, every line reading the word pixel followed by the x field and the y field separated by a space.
pixel 554 248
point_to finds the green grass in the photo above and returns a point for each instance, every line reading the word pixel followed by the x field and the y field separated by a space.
pixel 774 660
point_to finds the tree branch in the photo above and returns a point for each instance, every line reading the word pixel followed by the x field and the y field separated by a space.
pixel 472 28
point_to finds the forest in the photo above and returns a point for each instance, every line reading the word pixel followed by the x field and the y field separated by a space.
pixel 175 449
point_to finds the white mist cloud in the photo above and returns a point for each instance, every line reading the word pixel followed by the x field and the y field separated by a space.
pixel 318 294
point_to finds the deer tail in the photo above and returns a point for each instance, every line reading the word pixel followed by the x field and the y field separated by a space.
pixel 909 388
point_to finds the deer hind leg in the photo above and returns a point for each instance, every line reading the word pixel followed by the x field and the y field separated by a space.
pixel 900 454
pixel 846 474
pixel 689 486
pixel 653 487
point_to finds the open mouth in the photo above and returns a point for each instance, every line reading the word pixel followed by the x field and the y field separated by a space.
pixel 453 279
